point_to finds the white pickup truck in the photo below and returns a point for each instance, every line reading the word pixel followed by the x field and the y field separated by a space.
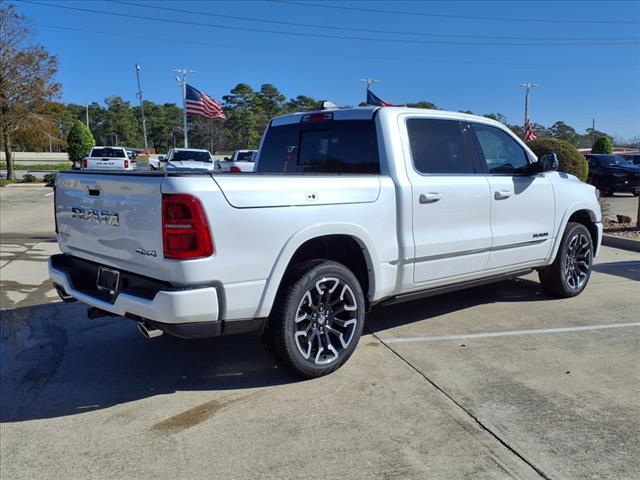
pixel 241 161
pixel 109 158
pixel 348 209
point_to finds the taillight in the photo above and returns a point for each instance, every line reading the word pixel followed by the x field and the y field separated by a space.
pixel 84 163
pixel 126 164
pixel 235 169
pixel 185 230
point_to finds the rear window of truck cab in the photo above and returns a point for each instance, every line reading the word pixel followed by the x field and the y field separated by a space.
pixel 333 146
pixel 108 152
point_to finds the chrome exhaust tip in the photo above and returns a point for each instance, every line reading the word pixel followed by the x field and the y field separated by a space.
pixel 149 332
pixel 62 293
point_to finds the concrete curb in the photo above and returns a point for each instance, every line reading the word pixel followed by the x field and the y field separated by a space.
pixel 619 242
pixel 24 185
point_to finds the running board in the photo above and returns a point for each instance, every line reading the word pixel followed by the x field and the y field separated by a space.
pixel 408 297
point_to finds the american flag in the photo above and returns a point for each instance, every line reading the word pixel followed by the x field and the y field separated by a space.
pixel 199 103
pixel 373 99
pixel 529 134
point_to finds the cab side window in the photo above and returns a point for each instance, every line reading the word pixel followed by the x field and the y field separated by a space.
pixel 502 154
pixel 439 147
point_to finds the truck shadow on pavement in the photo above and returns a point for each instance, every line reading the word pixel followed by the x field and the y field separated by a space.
pixel 629 269
pixel 55 362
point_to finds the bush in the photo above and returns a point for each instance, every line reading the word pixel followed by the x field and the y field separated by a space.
pixel 602 145
pixel 28 178
pixel 570 159
pixel 50 179
pixel 79 141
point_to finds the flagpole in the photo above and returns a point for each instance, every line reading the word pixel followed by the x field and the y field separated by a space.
pixel 368 82
pixel 527 87
pixel 183 83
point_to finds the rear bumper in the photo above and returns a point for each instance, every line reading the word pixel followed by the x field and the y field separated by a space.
pixel 171 307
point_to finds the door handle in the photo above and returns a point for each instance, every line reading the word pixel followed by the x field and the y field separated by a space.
pixel 502 194
pixel 431 197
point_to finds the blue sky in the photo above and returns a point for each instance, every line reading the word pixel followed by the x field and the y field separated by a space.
pixel 445 59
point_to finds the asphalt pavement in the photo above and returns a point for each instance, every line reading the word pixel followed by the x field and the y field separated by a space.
pixel 496 382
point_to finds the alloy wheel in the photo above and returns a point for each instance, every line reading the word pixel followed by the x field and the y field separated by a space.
pixel 326 320
pixel 577 261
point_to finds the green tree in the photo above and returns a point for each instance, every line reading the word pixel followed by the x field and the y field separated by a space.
pixel 122 126
pixel 602 145
pixel 302 103
pixel 562 131
pixel 570 159
pixel 26 79
pixel 423 104
pixel 270 101
pixel 497 117
pixel 242 125
pixel 164 125
pixel 79 141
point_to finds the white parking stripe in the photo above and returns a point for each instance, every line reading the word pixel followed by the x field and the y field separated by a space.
pixel 510 333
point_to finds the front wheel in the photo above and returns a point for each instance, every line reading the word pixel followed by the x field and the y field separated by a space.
pixel 318 320
pixel 569 273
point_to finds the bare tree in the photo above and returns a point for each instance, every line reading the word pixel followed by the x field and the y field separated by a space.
pixel 26 78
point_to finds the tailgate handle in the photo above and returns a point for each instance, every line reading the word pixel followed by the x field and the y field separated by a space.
pixel 94 192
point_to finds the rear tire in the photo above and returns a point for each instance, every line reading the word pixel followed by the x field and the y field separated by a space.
pixel 569 273
pixel 318 319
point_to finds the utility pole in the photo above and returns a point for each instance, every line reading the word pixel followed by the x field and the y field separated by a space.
pixel 182 81
pixel 528 87
pixel 86 111
pixel 593 130
pixel 144 122
pixel 368 82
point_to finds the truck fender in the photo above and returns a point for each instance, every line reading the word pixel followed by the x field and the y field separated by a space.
pixel 562 225
pixel 298 239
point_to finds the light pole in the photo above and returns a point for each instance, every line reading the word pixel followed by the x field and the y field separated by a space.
pixel 182 81
pixel 144 122
pixel 368 82
pixel 527 87
pixel 86 111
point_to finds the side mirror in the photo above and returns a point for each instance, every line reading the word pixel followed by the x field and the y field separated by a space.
pixel 546 163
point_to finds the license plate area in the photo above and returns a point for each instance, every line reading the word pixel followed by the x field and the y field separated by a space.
pixel 108 280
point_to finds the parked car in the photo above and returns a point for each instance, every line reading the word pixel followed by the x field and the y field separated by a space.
pixel 109 158
pixel 612 173
pixel 360 207
pixel 189 159
pixel 241 161
pixel 632 158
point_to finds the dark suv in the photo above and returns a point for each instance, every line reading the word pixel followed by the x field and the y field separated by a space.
pixel 632 158
pixel 612 173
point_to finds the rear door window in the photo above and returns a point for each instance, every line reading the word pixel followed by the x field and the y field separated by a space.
pixel 440 147
pixel 334 146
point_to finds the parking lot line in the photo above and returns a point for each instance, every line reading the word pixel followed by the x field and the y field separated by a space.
pixel 510 333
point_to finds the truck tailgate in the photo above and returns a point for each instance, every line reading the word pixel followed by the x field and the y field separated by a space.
pixel 112 219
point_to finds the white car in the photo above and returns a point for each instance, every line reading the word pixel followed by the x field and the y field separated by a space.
pixel 350 209
pixel 241 161
pixel 189 159
pixel 109 158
